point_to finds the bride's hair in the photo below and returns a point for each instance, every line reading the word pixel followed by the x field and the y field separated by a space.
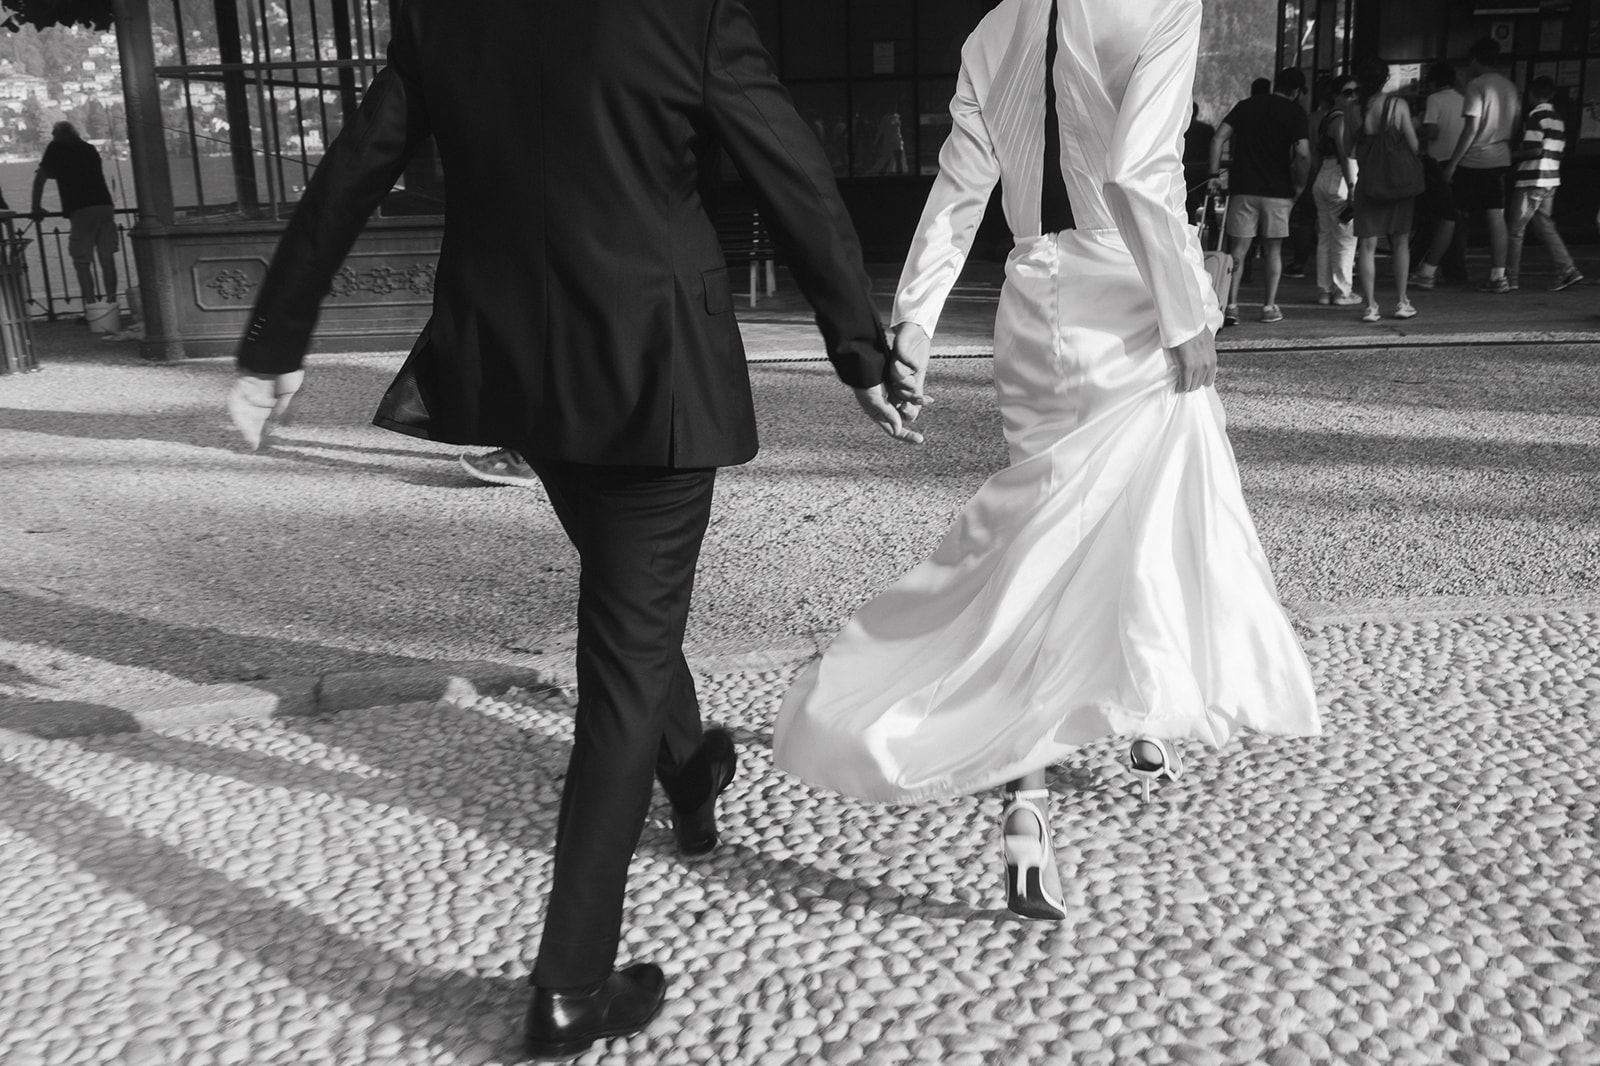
pixel 1371 75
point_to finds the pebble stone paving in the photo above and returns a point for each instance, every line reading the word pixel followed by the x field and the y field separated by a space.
pixel 1417 885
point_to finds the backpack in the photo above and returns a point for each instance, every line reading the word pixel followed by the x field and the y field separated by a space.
pixel 1390 170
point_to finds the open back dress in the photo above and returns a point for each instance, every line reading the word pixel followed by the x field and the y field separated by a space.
pixel 1109 580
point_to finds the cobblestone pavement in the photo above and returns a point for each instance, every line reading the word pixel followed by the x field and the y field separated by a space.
pixel 1417 885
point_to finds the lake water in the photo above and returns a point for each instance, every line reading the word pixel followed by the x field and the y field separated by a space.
pixel 214 179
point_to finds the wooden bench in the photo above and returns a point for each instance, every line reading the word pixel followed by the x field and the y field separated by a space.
pixel 745 242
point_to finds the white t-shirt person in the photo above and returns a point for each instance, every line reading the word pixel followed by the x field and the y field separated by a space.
pixel 1444 111
pixel 1492 98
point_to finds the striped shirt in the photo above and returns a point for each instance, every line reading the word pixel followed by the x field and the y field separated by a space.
pixel 1548 134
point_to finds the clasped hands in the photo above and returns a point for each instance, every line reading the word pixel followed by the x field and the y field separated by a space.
pixel 896 403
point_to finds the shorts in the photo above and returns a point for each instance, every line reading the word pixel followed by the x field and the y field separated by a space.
pixel 94 229
pixel 1480 188
pixel 1258 216
pixel 1437 196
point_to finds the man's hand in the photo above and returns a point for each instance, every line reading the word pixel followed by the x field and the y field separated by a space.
pixel 908 371
pixel 1197 362
pixel 878 408
pixel 258 397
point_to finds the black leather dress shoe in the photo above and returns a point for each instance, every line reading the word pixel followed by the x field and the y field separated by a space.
pixel 702 780
pixel 564 1024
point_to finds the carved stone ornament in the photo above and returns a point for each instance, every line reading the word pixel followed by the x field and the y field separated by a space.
pixel 232 284
pixel 384 280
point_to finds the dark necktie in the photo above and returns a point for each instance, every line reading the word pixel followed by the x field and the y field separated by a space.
pixel 1055 207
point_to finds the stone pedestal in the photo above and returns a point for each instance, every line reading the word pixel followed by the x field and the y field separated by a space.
pixel 380 298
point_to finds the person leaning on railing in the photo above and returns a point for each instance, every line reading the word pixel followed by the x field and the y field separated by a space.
pixel 80 180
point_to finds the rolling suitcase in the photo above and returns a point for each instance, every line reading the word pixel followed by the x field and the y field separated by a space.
pixel 1219 264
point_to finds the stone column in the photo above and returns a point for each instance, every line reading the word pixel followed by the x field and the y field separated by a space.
pixel 152 182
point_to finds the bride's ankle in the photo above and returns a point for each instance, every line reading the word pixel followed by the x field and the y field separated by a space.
pixel 1026 812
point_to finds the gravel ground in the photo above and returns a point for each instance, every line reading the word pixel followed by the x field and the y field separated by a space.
pixel 1416 886
pixel 141 546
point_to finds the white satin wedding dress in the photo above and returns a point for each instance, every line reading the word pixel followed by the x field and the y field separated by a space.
pixel 1109 580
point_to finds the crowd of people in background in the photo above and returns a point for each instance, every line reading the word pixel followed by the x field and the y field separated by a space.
pixel 1364 164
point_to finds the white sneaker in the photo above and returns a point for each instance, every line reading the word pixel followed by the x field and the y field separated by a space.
pixel 1404 310
pixel 1371 314
pixel 1348 299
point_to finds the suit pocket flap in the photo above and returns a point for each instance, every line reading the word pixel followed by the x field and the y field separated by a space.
pixel 719 297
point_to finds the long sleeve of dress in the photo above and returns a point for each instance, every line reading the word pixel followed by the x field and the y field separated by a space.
pixel 1146 163
pixel 968 171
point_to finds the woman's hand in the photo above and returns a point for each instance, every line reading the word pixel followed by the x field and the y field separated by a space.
pixel 886 415
pixel 909 370
pixel 1197 362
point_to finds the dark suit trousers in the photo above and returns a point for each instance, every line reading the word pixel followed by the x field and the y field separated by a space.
pixel 638 532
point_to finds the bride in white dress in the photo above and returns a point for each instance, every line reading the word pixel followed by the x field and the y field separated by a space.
pixel 1109 581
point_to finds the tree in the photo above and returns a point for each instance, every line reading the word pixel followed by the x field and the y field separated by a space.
pixel 31 126
pixel 96 122
pixel 43 13
pixel 24 51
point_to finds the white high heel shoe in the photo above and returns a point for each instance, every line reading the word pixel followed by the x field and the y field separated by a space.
pixel 1025 857
pixel 1149 759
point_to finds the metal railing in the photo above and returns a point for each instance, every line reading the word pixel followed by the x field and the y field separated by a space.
pixel 16 334
pixel 52 279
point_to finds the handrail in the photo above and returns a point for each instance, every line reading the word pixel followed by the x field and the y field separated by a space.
pixel 53 283
pixel 16 334
pixel 181 69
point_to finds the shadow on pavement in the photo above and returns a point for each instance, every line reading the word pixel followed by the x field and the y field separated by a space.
pixel 1380 450
pixel 409 777
pixel 204 655
pixel 197 428
pixel 306 951
pixel 53 720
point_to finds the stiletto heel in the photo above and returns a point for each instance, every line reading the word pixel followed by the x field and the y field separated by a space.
pixel 1149 759
pixel 1025 856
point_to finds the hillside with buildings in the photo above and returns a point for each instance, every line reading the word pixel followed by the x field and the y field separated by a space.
pixel 74 73
pixel 55 74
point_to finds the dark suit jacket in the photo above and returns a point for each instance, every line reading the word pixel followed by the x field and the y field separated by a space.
pixel 581 308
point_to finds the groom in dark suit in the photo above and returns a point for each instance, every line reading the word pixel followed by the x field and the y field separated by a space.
pixel 582 315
